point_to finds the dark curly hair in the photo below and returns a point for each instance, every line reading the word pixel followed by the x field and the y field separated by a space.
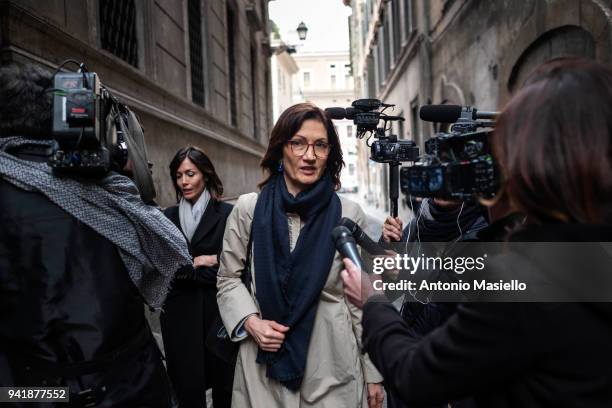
pixel 287 126
pixel 25 103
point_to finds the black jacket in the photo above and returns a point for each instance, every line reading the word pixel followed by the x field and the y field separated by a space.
pixel 66 298
pixel 502 354
pixel 189 314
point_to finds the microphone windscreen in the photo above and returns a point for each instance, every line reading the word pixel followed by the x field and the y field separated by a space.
pixel 350 113
pixel 350 224
pixel 341 234
pixel 336 113
pixel 440 113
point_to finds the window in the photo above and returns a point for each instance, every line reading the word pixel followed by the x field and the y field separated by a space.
pixel 387 45
pixel 349 131
pixel 409 17
pixel 118 29
pixel 395 13
pixel 414 121
pixel 365 23
pixel 333 81
pixel 380 56
pixel 371 76
pixel 306 79
pixel 351 169
pixel 195 52
pixel 347 75
pixel 254 92
pixel 232 75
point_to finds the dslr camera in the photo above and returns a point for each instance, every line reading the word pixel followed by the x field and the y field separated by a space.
pixel 89 125
pixel 366 115
pixel 457 164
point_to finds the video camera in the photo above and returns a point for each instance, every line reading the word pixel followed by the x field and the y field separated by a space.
pixel 366 116
pixel 89 125
pixel 458 164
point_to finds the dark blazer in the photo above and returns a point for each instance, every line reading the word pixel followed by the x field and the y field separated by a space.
pixel 189 314
pixel 503 354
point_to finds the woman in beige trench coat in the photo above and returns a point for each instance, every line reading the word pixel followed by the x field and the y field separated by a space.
pixel 300 339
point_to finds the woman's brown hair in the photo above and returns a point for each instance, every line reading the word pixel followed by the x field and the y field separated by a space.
pixel 288 124
pixel 553 142
pixel 203 163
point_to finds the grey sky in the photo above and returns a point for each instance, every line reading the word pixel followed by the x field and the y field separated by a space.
pixel 327 22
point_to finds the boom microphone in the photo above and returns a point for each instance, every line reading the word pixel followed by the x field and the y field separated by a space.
pixel 341 113
pixel 336 113
pixel 440 113
pixel 345 244
pixel 451 113
pixel 350 113
pixel 362 238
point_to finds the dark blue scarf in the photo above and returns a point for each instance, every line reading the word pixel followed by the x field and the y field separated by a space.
pixel 289 284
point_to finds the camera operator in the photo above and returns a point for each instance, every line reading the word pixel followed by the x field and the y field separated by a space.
pixel 523 354
pixel 78 258
pixel 437 220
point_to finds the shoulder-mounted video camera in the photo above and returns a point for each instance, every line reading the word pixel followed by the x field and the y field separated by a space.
pixel 88 125
pixel 457 164
pixel 94 133
pixel 366 115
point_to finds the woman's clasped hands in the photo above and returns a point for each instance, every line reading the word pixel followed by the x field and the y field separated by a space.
pixel 268 334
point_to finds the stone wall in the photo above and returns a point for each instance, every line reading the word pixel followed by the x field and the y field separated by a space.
pixel 159 87
pixel 467 52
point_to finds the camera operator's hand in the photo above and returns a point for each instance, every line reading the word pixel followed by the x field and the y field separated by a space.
pixel 268 334
pixel 392 230
pixel 358 285
pixel 205 260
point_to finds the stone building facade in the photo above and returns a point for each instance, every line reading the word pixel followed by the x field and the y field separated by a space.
pixel 467 52
pixel 284 70
pixel 195 71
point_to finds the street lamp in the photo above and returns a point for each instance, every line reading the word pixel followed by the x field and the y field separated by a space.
pixel 302 30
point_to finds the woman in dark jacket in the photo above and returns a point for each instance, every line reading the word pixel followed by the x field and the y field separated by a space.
pixel 553 144
pixel 191 309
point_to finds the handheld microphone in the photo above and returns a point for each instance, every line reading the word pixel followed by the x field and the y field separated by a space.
pixel 345 244
pixel 362 238
pixel 451 113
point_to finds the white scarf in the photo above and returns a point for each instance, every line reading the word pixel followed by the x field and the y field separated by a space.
pixel 190 215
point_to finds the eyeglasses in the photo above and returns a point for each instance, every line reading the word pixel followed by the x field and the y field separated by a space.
pixel 300 147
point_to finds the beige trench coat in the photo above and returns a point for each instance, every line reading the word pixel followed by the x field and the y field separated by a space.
pixel 336 371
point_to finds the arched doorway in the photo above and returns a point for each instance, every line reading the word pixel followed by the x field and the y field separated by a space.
pixel 560 42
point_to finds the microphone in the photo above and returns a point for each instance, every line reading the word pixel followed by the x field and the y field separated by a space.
pixel 362 238
pixel 440 113
pixel 345 244
pixel 341 113
pixel 350 113
pixel 336 113
pixel 451 113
